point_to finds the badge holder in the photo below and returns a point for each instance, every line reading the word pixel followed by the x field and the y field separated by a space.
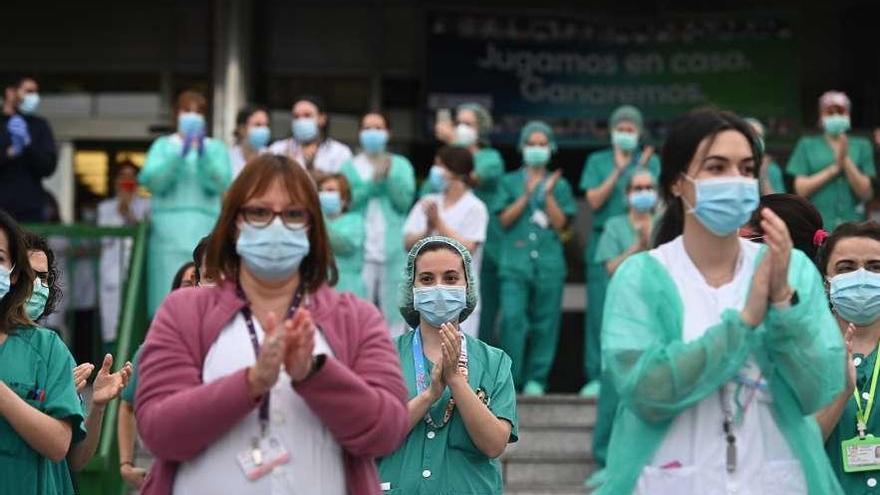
pixel 862 452
pixel 261 459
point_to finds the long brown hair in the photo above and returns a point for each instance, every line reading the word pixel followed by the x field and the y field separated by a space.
pixel 12 305
pixel 318 267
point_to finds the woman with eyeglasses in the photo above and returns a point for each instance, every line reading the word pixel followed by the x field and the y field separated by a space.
pixel 270 381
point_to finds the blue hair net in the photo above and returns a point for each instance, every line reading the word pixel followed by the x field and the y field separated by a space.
pixel 484 120
pixel 537 126
pixel 626 113
pixel 407 309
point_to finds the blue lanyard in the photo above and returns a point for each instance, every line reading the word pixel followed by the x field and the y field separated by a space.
pixel 422 375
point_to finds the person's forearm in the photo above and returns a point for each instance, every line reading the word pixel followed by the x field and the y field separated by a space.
pixel 126 429
pixel 557 217
pixel 488 433
pixel 81 453
pixel 597 197
pixel 830 415
pixel 447 231
pixel 858 182
pixel 417 407
pixel 513 212
pixel 807 185
pixel 43 433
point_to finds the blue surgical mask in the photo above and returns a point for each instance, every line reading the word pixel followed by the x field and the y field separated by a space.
pixel 4 281
pixel 440 304
pixel 29 103
pixel 331 202
pixel 835 124
pixel 725 204
pixel 536 156
pixel 855 296
pixel 626 141
pixel 37 302
pixel 258 136
pixel 374 140
pixel 437 179
pixel 643 201
pixel 305 129
pixel 272 252
pixel 191 123
pixel 465 135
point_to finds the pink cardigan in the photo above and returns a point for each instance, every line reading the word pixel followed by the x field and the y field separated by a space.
pixel 359 394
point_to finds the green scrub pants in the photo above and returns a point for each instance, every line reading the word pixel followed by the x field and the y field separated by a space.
pixel 489 299
pixel 608 400
pixel 597 284
pixel 530 311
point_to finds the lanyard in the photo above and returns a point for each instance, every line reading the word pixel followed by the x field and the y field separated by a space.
pixel 422 376
pixel 249 321
pixel 863 414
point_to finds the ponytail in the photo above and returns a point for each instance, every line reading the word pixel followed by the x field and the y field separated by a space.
pixel 672 223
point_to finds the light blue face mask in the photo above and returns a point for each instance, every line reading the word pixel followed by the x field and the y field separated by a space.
pixel 855 296
pixel 835 124
pixel 258 136
pixel 331 202
pixel 191 123
pixel 536 156
pixel 37 302
pixel 272 252
pixel 373 141
pixel 437 179
pixel 626 141
pixel 643 201
pixel 5 283
pixel 305 129
pixel 724 204
pixel 29 103
pixel 440 304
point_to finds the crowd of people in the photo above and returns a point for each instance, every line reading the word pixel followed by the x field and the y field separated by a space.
pixel 319 319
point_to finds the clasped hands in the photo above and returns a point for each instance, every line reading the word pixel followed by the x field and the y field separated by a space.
pixel 291 344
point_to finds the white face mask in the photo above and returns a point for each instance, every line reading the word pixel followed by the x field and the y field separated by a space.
pixel 465 135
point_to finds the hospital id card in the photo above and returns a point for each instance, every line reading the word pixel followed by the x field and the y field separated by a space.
pixel 261 460
pixel 861 454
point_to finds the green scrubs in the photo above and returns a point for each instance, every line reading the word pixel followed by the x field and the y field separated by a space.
pixel 347 242
pixel 846 429
pixel 128 393
pixel 598 167
pixel 835 200
pixel 774 176
pixel 184 207
pixel 36 365
pixel 489 167
pixel 532 272
pixel 445 461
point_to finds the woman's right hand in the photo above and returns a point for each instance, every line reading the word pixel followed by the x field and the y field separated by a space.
pixel 264 373
pixel 756 306
pixel 437 383
pixel 850 366
pixel 81 376
pixel 133 476
pixel 444 131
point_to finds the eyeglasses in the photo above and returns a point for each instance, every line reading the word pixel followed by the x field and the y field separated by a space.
pixel 641 188
pixel 293 218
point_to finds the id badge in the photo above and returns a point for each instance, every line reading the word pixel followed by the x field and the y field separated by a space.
pixel 540 219
pixel 261 460
pixel 861 455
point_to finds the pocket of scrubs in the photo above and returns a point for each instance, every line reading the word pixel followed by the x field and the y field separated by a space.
pixel 654 480
pixel 783 478
pixel 10 441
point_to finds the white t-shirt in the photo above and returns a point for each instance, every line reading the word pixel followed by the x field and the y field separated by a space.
pixel 695 440
pixel 374 218
pixel 316 464
pixel 329 158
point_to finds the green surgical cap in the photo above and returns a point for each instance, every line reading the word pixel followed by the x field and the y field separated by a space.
pixel 484 120
pixel 533 127
pixel 626 113
pixel 406 287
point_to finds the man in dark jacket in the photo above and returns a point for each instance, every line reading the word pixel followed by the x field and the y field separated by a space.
pixel 27 152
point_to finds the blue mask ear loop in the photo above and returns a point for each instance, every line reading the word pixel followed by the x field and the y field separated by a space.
pixel 690 208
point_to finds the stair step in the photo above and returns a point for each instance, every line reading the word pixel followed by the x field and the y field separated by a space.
pixel 556 410
pixel 552 439
pixel 547 470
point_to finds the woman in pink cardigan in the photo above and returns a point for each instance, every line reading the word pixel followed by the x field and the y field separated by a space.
pixel 271 382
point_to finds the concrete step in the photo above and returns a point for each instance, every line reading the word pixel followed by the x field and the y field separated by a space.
pixel 552 439
pixel 546 470
pixel 556 411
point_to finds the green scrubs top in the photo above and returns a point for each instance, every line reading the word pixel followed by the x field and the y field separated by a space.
pixel 598 167
pixel 346 234
pixel 530 251
pixel 36 365
pixel 835 200
pixel 128 393
pixel 846 429
pixel 774 176
pixel 445 461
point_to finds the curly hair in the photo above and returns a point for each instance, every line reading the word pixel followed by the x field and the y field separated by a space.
pixel 35 242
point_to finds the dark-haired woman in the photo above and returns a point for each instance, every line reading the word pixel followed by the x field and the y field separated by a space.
pixel 311 145
pixel 270 381
pixel 803 220
pixel 720 348
pixel 252 136
pixel 40 413
pixel 850 261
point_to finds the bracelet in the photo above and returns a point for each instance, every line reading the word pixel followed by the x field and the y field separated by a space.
pixel 126 463
pixel 317 363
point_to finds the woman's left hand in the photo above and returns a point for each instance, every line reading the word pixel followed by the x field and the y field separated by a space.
pixel 778 241
pixel 107 386
pixel 300 334
pixel 81 376
pixel 451 349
